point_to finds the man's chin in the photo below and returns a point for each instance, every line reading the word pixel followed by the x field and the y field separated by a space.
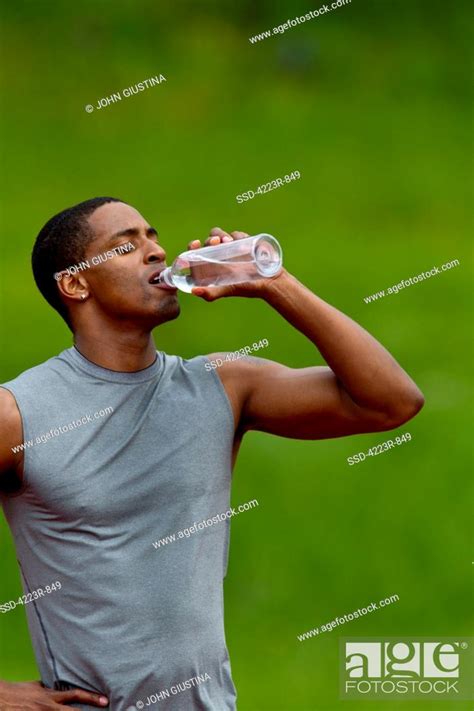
pixel 169 310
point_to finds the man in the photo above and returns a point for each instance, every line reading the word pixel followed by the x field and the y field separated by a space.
pixel 137 625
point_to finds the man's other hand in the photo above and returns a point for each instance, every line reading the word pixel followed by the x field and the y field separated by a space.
pixel 32 696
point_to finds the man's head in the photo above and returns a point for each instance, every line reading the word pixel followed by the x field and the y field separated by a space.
pixel 112 283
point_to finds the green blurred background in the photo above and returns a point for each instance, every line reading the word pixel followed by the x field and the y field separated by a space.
pixel 371 104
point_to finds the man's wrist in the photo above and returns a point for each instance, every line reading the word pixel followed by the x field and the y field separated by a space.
pixel 279 287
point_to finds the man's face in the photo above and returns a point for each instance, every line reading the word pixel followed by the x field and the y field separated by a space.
pixel 120 286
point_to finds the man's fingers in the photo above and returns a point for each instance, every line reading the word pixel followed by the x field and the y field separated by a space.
pixel 218 236
pixel 213 241
pixel 211 293
pixel 237 234
pixel 84 697
pixel 218 232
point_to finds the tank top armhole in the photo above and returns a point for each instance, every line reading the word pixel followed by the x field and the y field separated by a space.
pixel 223 394
pixel 26 436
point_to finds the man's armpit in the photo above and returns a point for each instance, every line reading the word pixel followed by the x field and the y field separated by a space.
pixel 11 432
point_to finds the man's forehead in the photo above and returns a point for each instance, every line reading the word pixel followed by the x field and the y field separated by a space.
pixel 115 216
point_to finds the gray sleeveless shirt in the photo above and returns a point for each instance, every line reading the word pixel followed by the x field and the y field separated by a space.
pixel 114 463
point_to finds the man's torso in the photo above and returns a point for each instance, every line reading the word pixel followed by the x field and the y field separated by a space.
pixel 151 457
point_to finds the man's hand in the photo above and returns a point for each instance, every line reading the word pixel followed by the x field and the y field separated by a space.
pixel 254 288
pixel 31 696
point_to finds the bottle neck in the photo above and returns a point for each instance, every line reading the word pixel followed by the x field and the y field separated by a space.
pixel 166 276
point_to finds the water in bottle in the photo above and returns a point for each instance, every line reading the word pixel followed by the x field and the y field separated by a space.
pixel 234 262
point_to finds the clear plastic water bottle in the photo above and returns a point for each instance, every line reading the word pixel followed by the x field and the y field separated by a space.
pixel 226 263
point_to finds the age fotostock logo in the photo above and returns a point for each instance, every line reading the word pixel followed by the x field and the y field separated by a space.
pixel 406 668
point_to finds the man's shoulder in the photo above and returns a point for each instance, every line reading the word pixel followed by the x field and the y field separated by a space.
pixel 36 373
pixel 235 362
pixel 235 370
pixel 8 407
pixel 172 360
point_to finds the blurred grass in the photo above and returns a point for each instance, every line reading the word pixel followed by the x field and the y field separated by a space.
pixel 371 105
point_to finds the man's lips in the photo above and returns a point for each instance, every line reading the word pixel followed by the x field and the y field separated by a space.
pixel 154 281
pixel 165 287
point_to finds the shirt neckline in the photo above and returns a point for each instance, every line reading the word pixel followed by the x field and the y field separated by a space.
pixel 153 371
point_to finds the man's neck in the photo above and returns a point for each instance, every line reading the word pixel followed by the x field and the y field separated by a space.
pixel 125 352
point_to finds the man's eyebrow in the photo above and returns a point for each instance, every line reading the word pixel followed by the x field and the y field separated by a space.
pixel 132 232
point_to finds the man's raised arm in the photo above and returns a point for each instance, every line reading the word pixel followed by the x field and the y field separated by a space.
pixel 364 389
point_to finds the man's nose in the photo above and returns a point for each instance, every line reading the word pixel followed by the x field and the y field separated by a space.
pixel 155 253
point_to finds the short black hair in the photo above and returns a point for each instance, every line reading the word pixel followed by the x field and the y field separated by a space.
pixel 61 243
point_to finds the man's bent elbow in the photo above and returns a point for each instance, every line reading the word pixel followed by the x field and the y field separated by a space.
pixel 405 409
